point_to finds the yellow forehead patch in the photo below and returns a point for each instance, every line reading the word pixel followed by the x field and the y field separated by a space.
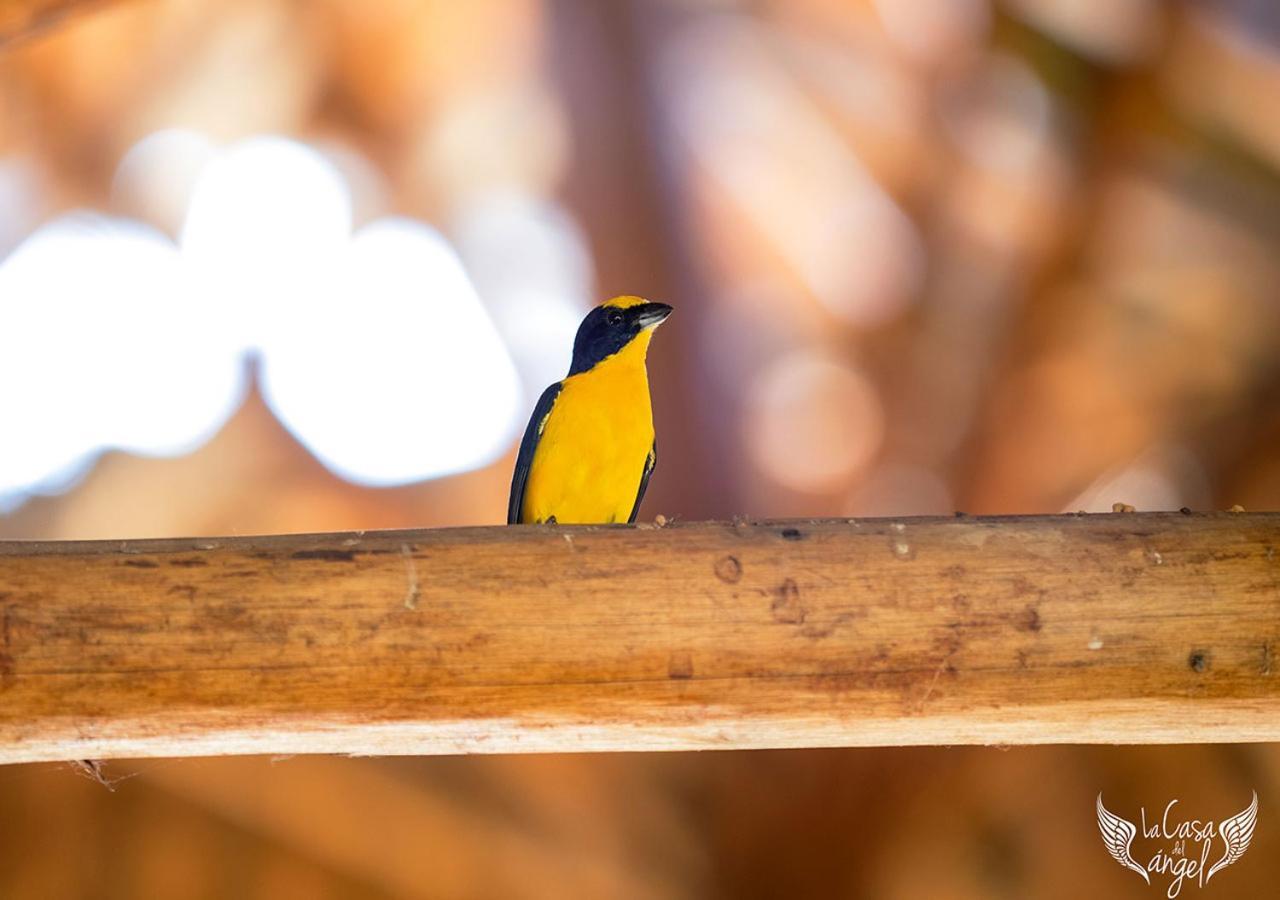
pixel 624 302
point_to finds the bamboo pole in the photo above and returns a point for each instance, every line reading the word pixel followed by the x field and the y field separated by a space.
pixel 1133 628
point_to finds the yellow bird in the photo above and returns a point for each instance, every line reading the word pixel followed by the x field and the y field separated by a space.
pixel 589 449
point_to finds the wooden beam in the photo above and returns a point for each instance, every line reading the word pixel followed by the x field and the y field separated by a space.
pixel 1130 628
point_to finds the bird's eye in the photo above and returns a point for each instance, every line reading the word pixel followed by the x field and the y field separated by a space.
pixel 614 318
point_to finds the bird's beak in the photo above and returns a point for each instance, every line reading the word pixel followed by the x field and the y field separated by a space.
pixel 651 315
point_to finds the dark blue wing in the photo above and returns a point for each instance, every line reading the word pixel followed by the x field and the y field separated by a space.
pixel 530 443
pixel 650 462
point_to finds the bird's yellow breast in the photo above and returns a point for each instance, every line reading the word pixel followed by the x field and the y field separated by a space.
pixel 594 444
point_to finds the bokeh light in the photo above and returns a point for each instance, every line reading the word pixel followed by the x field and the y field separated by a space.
pixel 935 31
pixel 155 180
pixel 355 334
pixel 411 380
pixel 1163 478
pixel 812 421
pixel 20 201
pixel 1117 32
pixel 900 489
pixel 99 331
pixel 769 149
pixel 528 260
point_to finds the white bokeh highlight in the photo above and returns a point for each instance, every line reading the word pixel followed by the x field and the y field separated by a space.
pixel 156 177
pixel 100 348
pixel 529 262
pixel 376 350
pixel 393 372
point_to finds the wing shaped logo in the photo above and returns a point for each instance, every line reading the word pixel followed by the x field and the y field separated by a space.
pixel 1236 832
pixel 1118 835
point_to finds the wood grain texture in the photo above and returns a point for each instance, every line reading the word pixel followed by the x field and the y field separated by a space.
pixel 1145 628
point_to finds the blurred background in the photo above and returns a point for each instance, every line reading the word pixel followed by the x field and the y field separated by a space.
pixel 271 266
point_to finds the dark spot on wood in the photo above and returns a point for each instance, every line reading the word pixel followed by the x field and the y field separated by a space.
pixel 274 630
pixel 477 640
pixel 189 562
pixel 949 644
pixel 786 606
pixel 6 658
pixel 1202 557
pixel 1199 661
pixel 142 564
pixel 680 666
pixel 792 534
pixel 960 601
pixel 1022 659
pixel 185 590
pixel 1129 575
pixel 1022 587
pixel 1186 510
pixel 728 569
pixel 955 571
pixel 817 632
pixel 1030 619
pixel 326 555
pixel 227 614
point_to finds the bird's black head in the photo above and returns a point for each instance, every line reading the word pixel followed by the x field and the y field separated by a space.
pixel 611 326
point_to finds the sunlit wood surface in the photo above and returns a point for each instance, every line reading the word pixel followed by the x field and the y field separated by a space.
pixel 1125 628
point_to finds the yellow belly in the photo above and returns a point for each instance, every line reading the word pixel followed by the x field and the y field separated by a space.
pixel 591 456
